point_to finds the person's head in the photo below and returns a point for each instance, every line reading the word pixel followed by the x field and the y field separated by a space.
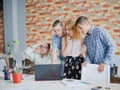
pixel 58 28
pixel 44 49
pixel 71 31
pixel 83 24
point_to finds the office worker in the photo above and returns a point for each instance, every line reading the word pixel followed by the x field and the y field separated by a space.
pixel 5 57
pixel 71 50
pixel 56 40
pixel 41 57
pixel 100 47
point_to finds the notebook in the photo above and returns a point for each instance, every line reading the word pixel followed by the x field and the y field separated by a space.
pixel 48 72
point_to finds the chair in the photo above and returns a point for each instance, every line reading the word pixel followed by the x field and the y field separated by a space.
pixel 29 67
pixel 91 74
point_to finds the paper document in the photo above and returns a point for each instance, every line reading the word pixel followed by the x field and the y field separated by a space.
pixel 74 83
pixel 91 74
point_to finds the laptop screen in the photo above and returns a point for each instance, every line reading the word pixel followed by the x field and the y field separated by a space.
pixel 48 72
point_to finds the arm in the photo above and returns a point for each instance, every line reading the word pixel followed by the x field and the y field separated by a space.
pixel 64 46
pixel 7 63
pixel 55 49
pixel 54 56
pixel 83 47
pixel 110 48
pixel 109 45
pixel 84 53
pixel 4 56
pixel 30 51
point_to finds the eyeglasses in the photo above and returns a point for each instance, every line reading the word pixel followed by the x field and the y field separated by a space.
pixel 45 47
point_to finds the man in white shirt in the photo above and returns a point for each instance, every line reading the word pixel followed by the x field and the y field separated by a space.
pixel 42 57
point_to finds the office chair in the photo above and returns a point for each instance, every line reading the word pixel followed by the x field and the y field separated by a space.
pixel 91 74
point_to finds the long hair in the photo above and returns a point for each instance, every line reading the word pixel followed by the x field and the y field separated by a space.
pixel 70 26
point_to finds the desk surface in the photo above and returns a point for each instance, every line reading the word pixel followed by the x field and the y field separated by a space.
pixel 30 84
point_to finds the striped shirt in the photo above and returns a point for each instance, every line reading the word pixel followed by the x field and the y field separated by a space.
pixel 100 47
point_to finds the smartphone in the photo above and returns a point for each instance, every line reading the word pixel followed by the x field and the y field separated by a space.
pixel 96 88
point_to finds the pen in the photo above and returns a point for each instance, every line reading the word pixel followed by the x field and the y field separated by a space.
pixel 85 82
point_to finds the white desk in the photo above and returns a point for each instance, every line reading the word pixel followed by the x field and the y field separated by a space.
pixel 30 84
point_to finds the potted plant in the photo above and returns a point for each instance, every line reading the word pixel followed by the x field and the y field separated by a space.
pixel 17 74
pixel 10 45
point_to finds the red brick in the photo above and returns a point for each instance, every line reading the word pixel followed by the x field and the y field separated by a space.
pixel 95 12
pixel 119 13
pixel 80 2
pixel 117 53
pixel 49 0
pixel 111 16
pixel 49 20
pixel 44 6
pixel 116 22
pixel 49 39
pixel 117 30
pixel 107 27
pixel 61 2
pixel 89 6
pixel 106 5
pixel 34 12
pixel 80 10
pixel 34 30
pixel 66 9
pixel 95 20
pixel 104 11
pixel 43 25
pixel 104 19
pixel 45 13
pixel 118 7
pixel 62 14
pixel 118 36
pixel 31 23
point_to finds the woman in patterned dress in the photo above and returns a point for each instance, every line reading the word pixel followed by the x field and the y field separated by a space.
pixel 71 50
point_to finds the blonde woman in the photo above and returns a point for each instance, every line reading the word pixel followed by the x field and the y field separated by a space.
pixel 71 50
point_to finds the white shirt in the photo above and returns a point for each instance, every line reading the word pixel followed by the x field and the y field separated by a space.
pixel 74 48
pixel 37 58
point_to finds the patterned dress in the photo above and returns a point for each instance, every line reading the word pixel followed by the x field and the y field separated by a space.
pixel 72 66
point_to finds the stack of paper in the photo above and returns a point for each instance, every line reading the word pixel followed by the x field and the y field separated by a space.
pixel 74 83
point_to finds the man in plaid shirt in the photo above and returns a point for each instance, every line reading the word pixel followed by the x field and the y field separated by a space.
pixel 100 47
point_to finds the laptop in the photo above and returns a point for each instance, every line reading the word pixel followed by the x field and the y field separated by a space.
pixel 48 72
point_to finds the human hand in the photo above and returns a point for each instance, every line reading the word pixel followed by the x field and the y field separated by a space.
pixel 84 63
pixel 82 55
pixel 101 67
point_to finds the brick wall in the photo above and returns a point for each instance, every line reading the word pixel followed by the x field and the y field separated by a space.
pixel 40 14
pixel 1 32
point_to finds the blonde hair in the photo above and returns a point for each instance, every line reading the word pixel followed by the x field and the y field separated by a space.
pixel 70 26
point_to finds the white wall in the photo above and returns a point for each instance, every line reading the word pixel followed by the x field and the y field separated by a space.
pixel 117 62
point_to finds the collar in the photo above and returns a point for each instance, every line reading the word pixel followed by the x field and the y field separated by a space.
pixel 91 30
pixel 45 56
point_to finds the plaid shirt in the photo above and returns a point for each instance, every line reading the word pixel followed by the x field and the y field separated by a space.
pixel 100 47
